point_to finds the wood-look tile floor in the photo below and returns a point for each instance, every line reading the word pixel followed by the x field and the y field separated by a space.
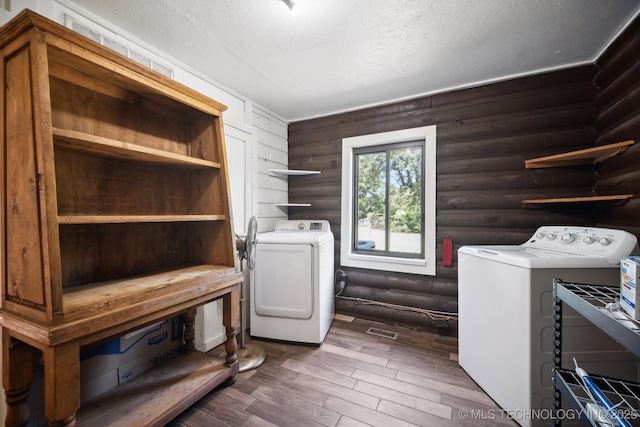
pixel 353 379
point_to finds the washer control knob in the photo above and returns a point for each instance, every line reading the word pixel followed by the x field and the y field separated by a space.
pixel 551 236
pixel 540 235
pixel 604 241
pixel 301 226
pixel 588 240
pixel 568 238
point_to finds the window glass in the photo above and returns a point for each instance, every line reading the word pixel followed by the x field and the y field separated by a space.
pixel 371 177
pixel 390 199
pixel 406 201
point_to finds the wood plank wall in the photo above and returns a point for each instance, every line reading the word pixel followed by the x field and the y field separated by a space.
pixel 484 134
pixel 270 153
pixel 618 104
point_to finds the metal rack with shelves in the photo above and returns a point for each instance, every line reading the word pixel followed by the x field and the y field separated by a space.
pixel 593 302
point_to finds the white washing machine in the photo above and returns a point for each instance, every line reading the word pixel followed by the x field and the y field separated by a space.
pixel 505 297
pixel 292 289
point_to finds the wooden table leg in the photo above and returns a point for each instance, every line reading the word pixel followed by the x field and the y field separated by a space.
pixel 231 321
pixel 189 320
pixel 16 378
pixel 62 383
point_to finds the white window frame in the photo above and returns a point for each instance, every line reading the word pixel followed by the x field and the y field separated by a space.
pixel 423 266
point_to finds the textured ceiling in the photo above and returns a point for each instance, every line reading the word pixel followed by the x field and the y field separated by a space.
pixel 339 55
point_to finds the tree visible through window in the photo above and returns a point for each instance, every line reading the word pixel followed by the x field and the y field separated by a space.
pixel 389 202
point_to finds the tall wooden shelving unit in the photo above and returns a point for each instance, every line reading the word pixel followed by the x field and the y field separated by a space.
pixel 115 214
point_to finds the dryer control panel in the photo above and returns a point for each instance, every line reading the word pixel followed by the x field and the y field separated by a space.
pixel 302 225
pixel 590 241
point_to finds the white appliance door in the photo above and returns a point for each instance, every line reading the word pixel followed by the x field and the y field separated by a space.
pixel 284 280
pixel 494 331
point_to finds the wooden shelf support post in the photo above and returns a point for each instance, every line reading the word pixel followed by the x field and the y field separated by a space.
pixel 62 386
pixel 16 380
pixel 231 321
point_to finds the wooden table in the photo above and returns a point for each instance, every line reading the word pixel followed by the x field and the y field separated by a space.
pixel 152 399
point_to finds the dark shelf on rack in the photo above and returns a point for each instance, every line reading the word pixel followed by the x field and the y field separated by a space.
pixel 596 303
pixel 622 393
pixel 591 302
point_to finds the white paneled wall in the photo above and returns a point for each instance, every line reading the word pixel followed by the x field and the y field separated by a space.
pixel 272 153
pixel 241 160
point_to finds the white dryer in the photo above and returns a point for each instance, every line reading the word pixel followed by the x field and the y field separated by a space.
pixel 505 303
pixel 292 289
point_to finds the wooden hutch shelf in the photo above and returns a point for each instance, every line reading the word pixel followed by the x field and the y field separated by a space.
pixel 112 148
pixel 116 214
pixel 116 219
pixel 579 157
pixel 152 397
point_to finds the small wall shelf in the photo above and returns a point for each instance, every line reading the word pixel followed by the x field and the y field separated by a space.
pixel 291 172
pixel 589 156
pixel 581 157
pixel 589 199
pixel 285 172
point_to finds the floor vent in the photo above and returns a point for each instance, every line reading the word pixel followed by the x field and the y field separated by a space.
pixel 382 333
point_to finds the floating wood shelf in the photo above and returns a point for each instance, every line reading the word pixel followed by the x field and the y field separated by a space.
pixel 281 205
pixel 284 172
pixel 581 157
pixel 587 156
pixel 589 199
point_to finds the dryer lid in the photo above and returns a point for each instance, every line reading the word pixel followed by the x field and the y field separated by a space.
pixel 311 232
pixel 563 247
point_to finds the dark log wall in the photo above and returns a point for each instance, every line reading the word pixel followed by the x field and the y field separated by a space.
pixel 618 104
pixel 484 134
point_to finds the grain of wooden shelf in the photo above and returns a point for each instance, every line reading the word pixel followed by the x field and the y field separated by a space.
pixel 113 293
pixel 107 147
pixel 579 157
pixel 151 398
pixel 588 199
pixel 122 219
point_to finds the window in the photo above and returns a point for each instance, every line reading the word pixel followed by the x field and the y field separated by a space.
pixel 388 201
